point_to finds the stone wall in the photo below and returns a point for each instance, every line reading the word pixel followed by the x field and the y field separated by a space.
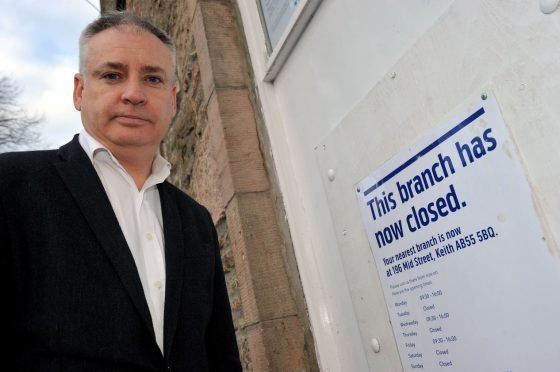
pixel 218 147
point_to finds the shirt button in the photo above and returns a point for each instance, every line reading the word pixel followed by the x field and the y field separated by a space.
pixel 158 284
pixel 149 236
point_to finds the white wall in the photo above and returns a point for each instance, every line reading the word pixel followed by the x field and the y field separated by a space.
pixel 398 68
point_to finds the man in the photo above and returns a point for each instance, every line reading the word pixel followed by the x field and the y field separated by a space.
pixel 105 266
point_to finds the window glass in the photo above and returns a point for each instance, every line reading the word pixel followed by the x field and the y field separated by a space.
pixel 276 15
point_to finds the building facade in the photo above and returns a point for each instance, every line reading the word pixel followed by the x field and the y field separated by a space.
pixel 290 108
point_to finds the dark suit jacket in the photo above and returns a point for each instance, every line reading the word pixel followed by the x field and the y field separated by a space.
pixel 72 298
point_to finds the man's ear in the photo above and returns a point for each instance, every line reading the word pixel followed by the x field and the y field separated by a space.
pixel 78 91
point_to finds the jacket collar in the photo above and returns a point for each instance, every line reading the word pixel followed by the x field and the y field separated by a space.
pixel 174 260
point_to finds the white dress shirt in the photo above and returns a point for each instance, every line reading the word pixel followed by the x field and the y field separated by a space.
pixel 140 219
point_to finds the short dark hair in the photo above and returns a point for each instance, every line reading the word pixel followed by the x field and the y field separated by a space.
pixel 117 19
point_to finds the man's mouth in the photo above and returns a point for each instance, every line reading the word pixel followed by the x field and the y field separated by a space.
pixel 132 120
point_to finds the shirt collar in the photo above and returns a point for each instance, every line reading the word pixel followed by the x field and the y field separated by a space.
pixel 89 144
pixel 161 168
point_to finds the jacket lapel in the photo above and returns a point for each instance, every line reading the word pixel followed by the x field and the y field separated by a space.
pixel 82 180
pixel 174 262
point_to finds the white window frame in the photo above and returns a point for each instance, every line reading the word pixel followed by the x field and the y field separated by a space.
pixel 295 27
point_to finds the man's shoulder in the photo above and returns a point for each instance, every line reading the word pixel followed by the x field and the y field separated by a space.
pixel 26 160
pixel 181 197
pixel 36 154
pixel 185 201
pixel 20 169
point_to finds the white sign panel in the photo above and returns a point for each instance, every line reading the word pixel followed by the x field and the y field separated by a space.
pixel 469 281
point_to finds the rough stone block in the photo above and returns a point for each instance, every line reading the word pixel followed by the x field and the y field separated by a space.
pixel 276 345
pixel 205 174
pixel 217 41
pixel 231 109
pixel 259 263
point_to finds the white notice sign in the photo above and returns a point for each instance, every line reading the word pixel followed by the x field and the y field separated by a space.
pixel 469 281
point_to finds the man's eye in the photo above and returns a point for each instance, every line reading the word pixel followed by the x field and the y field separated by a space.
pixel 111 76
pixel 154 79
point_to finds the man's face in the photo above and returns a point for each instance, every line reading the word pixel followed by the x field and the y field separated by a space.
pixel 127 97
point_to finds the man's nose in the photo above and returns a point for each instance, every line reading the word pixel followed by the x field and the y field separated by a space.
pixel 134 93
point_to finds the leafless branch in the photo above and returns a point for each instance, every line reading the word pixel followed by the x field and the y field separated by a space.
pixel 17 127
